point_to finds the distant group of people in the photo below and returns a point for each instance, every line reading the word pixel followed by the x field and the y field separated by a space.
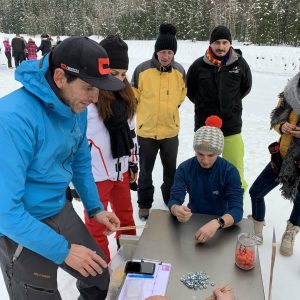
pixel 73 121
pixel 21 50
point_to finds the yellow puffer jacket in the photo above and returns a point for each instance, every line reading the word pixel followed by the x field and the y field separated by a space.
pixel 159 95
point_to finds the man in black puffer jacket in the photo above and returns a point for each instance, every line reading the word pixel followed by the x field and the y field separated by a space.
pixel 216 83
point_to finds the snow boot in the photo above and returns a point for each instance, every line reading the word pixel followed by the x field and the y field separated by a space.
pixel 144 213
pixel 258 227
pixel 288 239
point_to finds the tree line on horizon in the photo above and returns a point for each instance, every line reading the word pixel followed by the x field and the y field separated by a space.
pixel 262 22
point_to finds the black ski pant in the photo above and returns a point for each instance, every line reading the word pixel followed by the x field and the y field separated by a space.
pixel 168 149
pixel 30 276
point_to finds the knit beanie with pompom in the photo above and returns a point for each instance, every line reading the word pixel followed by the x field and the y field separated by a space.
pixel 166 39
pixel 210 137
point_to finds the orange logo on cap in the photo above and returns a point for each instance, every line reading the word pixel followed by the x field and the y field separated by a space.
pixel 103 66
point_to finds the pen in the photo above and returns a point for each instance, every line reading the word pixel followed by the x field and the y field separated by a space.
pixel 144 276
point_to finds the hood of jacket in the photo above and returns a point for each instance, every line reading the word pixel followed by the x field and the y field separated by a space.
pixel 292 93
pixel 32 74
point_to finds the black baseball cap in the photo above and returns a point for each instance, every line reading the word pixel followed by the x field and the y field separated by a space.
pixel 86 59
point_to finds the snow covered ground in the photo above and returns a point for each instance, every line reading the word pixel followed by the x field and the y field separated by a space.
pixel 271 69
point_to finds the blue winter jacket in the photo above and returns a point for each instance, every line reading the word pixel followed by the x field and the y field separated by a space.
pixel 43 148
pixel 215 191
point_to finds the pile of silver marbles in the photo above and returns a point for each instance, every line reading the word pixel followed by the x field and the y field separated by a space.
pixel 198 280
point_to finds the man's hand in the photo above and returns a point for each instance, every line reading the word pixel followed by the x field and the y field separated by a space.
pixel 207 231
pixel 181 212
pixel 109 220
pixel 85 261
pixel 221 294
pixel 133 176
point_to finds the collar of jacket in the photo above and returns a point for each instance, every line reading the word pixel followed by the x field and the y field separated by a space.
pixel 155 63
pixel 232 58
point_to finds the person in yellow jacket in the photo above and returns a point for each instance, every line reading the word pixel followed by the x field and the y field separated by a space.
pixel 159 86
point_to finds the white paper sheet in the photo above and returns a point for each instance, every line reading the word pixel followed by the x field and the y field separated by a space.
pixel 140 286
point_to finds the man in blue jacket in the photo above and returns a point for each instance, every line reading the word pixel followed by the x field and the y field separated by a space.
pixel 43 148
pixel 213 184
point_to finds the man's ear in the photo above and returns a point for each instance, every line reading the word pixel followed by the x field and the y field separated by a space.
pixel 59 77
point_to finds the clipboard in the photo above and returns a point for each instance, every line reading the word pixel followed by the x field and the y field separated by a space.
pixel 140 286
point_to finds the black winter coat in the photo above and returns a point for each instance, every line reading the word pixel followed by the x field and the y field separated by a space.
pixel 45 46
pixel 219 91
pixel 18 45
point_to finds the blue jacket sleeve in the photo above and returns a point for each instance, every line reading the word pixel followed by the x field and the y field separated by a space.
pixel 17 151
pixel 234 194
pixel 83 179
pixel 179 188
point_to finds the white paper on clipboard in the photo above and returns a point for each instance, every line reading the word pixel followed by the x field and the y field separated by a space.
pixel 139 286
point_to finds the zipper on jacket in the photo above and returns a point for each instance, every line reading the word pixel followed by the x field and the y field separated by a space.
pixel 118 168
pixel 63 163
pixel 219 104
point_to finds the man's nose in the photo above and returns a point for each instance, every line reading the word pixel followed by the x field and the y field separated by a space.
pixel 205 160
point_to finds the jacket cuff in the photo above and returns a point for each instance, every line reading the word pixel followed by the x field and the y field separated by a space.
pixel 172 202
pixel 94 211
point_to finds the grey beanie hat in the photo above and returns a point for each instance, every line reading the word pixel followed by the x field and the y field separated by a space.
pixel 210 138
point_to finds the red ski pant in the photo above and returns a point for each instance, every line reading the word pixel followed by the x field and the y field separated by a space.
pixel 117 193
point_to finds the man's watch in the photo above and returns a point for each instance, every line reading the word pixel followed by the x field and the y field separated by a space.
pixel 221 222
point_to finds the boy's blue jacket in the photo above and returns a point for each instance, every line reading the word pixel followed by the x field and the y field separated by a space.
pixel 216 191
pixel 43 148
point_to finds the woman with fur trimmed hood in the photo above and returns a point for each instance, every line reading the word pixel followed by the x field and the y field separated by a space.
pixel 284 167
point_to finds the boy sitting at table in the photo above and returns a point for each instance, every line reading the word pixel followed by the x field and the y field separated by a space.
pixel 213 184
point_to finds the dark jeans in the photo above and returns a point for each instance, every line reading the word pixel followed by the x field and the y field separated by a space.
pixel 149 148
pixel 8 56
pixel 33 277
pixel 263 184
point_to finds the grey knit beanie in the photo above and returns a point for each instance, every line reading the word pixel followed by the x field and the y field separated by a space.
pixel 210 137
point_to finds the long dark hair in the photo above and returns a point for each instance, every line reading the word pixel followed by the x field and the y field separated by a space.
pixel 105 99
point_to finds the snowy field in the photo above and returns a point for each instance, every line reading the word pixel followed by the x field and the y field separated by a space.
pixel 271 68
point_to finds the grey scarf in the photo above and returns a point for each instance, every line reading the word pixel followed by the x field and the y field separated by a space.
pixel 289 175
